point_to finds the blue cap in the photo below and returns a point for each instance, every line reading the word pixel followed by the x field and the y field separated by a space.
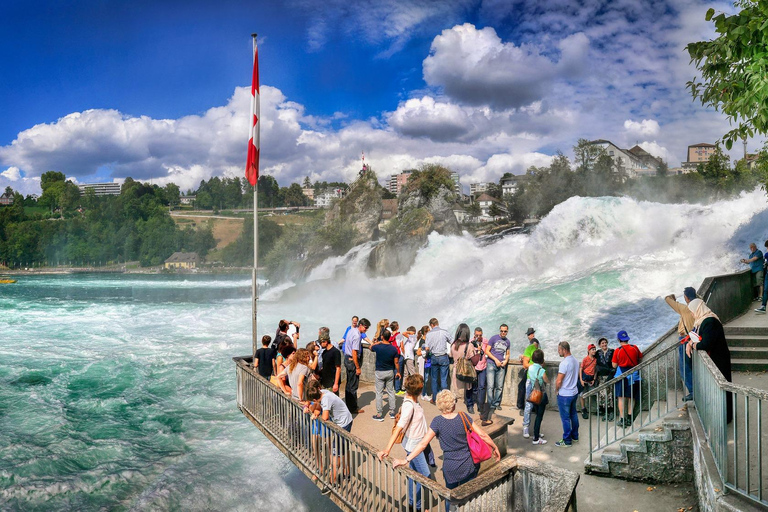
pixel 690 293
pixel 623 336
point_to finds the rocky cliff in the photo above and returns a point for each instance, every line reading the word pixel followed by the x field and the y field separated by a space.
pixel 361 209
pixel 418 215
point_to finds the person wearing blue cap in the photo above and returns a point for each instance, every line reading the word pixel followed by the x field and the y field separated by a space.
pixel 625 358
pixel 684 326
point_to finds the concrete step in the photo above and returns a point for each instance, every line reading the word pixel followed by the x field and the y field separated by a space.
pixel 750 330
pixel 749 352
pixel 748 365
pixel 652 445
pixel 746 340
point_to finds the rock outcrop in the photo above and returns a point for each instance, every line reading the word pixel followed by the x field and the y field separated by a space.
pixel 417 217
pixel 361 209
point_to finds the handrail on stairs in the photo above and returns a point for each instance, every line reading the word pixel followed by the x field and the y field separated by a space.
pixel 634 399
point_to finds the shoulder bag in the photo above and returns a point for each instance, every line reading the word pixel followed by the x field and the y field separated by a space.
pixel 536 393
pixel 477 447
pixel 475 359
pixel 401 435
pixel 465 370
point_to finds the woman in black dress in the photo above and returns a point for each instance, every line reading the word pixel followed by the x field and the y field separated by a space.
pixel 711 338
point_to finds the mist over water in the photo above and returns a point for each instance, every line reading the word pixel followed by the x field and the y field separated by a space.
pixel 592 267
pixel 118 392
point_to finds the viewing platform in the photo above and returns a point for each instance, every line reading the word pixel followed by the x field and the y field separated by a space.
pixel 674 455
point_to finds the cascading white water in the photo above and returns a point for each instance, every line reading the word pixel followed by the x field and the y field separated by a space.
pixel 593 266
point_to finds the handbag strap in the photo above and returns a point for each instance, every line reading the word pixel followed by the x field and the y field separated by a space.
pixel 465 350
pixel 466 423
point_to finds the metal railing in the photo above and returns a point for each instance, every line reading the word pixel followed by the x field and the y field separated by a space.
pixel 654 388
pixel 736 439
pixel 357 480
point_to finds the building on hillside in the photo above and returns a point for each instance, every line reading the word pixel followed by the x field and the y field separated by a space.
pixel 388 208
pixel 623 158
pixel 398 181
pixel 699 153
pixel 485 202
pixel 101 189
pixel 751 160
pixel 674 171
pixel 651 162
pixel 6 199
pixel 309 193
pixel 182 260
pixel 325 198
pixel 187 200
pixel 510 184
pixel 478 188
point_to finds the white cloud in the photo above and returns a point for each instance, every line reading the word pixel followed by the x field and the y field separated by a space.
pixel 424 117
pixel 644 128
pixel 11 174
pixel 13 177
pixel 478 68
pixel 657 150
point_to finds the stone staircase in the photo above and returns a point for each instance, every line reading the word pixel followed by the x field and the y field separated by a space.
pixel 749 348
pixel 659 452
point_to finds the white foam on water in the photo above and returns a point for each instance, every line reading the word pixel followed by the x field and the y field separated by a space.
pixel 591 267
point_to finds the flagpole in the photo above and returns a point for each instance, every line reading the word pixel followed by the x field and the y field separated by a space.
pixel 255 290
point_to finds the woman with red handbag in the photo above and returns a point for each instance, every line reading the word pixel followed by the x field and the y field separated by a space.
pixel 464 444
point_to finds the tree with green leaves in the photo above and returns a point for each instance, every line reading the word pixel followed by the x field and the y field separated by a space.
pixel 733 69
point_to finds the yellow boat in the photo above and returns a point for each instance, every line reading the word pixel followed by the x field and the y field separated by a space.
pixel 7 281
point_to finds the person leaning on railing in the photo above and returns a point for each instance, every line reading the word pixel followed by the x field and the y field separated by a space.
pixel 332 408
pixel 708 334
pixel 414 426
pixel 458 465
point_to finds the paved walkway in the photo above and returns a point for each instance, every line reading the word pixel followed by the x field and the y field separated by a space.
pixel 594 493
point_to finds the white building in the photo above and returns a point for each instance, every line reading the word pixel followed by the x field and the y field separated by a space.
pixel 456 182
pixel 485 202
pixel 632 165
pixel 478 188
pixel 510 184
pixel 326 197
pixel 187 200
pixel 101 189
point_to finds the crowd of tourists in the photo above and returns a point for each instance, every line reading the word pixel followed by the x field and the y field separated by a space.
pixel 431 364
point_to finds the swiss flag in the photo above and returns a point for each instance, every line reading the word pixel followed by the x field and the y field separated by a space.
pixel 252 164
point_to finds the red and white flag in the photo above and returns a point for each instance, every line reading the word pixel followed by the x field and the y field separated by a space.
pixel 252 165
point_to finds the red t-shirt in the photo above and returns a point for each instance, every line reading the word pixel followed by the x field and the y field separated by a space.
pixel 627 356
pixel 589 365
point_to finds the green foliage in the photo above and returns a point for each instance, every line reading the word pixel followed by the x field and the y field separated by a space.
pixel 734 67
pixel 338 235
pixel 294 196
pixel 428 180
pixel 240 252
pixel 50 177
pixel 132 226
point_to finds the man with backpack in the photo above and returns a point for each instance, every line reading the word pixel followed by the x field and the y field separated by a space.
pixel 625 358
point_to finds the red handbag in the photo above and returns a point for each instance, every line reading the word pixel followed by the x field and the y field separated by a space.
pixel 477 447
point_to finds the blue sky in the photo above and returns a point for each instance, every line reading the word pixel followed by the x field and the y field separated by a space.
pixel 102 90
